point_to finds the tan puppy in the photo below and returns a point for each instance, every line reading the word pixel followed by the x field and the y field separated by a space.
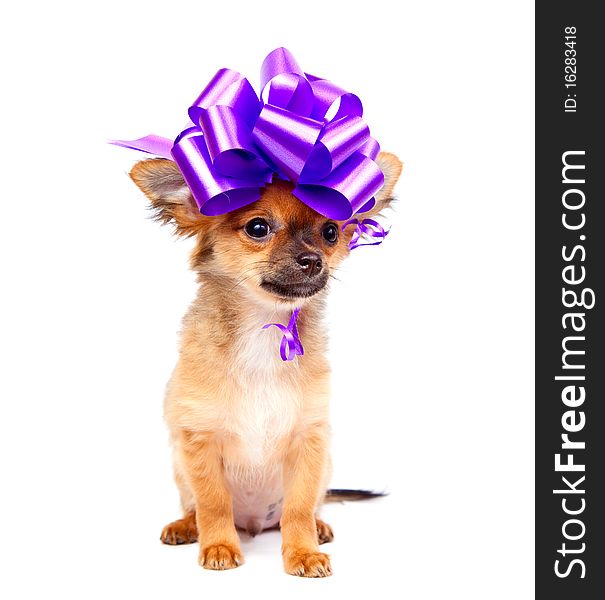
pixel 250 432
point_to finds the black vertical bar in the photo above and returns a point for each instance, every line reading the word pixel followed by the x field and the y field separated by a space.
pixel 570 118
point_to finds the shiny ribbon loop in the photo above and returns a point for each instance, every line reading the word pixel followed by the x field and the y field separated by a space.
pixel 304 128
pixel 367 227
pixel 291 345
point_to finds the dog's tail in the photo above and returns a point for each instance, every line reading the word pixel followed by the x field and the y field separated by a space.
pixel 351 495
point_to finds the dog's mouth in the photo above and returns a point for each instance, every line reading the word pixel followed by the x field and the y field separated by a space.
pixel 293 290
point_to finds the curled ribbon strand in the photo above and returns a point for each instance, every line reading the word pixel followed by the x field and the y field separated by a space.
pixel 303 128
pixel 291 345
pixel 367 227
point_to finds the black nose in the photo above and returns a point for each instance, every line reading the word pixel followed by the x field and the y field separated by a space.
pixel 310 263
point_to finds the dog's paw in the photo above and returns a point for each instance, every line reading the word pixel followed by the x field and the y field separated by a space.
pixel 219 557
pixel 307 564
pixel 324 532
pixel 182 531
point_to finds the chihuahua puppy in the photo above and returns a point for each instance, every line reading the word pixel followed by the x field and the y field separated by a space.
pixel 249 431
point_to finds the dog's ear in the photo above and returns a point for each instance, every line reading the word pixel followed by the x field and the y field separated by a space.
pixel 391 166
pixel 171 200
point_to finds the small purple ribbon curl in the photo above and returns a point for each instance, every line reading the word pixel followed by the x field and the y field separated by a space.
pixel 367 227
pixel 304 128
pixel 290 346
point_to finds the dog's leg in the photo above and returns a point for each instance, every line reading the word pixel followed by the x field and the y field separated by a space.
pixel 304 474
pixel 219 541
pixel 324 531
pixel 184 530
pixel 181 531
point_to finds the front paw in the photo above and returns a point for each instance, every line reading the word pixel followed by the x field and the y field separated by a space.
pixel 219 557
pixel 305 563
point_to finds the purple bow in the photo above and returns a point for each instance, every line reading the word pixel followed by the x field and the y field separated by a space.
pixel 290 346
pixel 368 227
pixel 304 128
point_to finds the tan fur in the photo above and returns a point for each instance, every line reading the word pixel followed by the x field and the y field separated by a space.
pixel 184 531
pixel 242 421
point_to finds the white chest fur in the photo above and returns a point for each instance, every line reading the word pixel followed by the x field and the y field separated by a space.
pixel 263 411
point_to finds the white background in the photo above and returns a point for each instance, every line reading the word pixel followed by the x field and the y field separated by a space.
pixel 431 333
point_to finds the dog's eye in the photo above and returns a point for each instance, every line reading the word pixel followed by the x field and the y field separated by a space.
pixel 257 228
pixel 330 233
